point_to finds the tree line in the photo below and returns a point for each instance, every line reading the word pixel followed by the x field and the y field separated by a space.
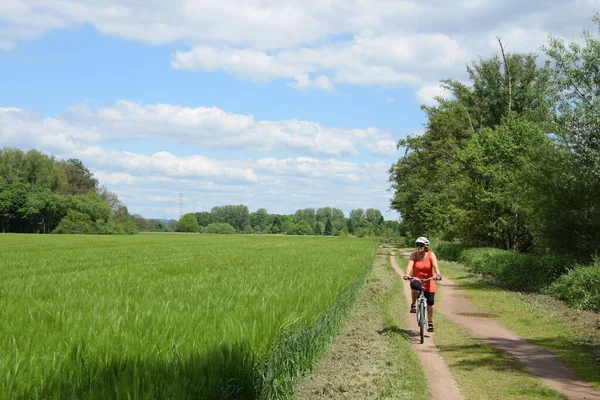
pixel 40 194
pixel 512 159
pixel 327 221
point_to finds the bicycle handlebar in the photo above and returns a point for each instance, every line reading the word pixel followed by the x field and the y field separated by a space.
pixel 408 278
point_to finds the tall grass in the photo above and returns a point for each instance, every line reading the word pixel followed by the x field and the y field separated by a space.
pixel 170 316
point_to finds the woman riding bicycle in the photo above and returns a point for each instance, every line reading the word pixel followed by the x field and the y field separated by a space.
pixel 423 263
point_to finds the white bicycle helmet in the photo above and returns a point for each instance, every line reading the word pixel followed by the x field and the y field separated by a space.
pixel 422 240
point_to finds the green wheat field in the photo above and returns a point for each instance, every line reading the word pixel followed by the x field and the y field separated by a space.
pixel 170 316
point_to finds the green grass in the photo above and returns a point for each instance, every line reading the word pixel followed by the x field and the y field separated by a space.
pixel 528 320
pixel 170 316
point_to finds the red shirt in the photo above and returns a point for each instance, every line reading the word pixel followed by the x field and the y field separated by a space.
pixel 422 269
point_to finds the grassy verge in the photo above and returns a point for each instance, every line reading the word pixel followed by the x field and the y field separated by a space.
pixel 535 319
pixel 409 373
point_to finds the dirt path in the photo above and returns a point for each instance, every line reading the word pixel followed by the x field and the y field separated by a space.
pixel 539 362
pixel 441 383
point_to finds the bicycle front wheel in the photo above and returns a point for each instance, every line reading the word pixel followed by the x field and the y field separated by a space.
pixel 422 322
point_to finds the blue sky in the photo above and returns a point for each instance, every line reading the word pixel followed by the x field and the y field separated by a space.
pixel 282 105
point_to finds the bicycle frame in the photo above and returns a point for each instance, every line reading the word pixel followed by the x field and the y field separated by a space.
pixel 421 307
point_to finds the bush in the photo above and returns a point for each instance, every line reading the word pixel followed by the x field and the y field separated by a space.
pixel 448 250
pixel 512 270
pixel 579 288
pixel 187 223
pixel 219 228
pixel 76 222
pixel 509 269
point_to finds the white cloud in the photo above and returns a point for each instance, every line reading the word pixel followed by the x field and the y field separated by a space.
pixel 303 82
pixel 148 184
pixel 428 93
pixel 366 60
pixel 386 43
pixel 211 127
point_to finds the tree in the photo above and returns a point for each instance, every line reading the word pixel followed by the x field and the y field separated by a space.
pixel 260 220
pixel 357 214
pixel 79 179
pixel 319 228
pixel 569 207
pixel 187 223
pixel 303 228
pixel 277 226
pixel 374 217
pixel 323 214
pixel 463 178
pixel 110 198
pixel 307 214
pixel 235 215
pixel 203 218
pixel 328 228
pixel 351 225
pixel 288 226
pixel 45 209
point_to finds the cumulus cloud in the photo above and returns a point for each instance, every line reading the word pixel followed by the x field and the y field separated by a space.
pixel 403 43
pixel 303 82
pixel 215 128
pixel 365 60
pixel 428 93
pixel 146 182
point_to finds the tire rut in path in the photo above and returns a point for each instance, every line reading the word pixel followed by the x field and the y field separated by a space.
pixel 439 379
pixel 541 363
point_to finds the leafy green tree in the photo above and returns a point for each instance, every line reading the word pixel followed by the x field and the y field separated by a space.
pixel 260 220
pixel 277 226
pixel 351 225
pixel 303 228
pixel 328 228
pixel 463 178
pixel 569 192
pixel 288 224
pixel 357 214
pixel 44 209
pixel 319 228
pixel 203 218
pixel 307 214
pixel 374 217
pixel 188 223
pixel 323 214
pixel 234 215
pixel 79 179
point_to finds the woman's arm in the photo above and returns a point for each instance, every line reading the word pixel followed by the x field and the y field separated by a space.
pixel 411 262
pixel 434 263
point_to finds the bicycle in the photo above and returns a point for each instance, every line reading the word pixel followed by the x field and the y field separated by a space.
pixel 421 306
